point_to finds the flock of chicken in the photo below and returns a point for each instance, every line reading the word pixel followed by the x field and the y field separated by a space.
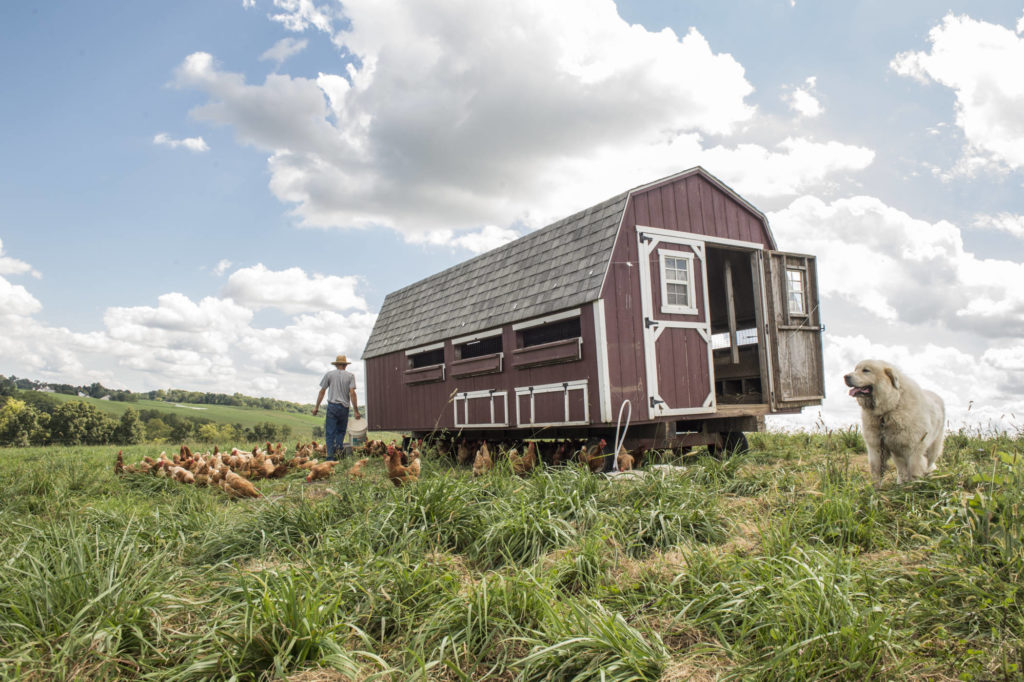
pixel 234 472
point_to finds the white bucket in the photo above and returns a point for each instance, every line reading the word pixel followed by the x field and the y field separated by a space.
pixel 357 430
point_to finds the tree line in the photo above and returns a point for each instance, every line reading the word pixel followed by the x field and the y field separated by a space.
pixel 30 417
pixel 171 395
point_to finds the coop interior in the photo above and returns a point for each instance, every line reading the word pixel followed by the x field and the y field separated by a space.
pixel 734 338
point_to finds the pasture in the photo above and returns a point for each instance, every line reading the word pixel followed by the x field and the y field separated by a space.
pixel 301 424
pixel 783 563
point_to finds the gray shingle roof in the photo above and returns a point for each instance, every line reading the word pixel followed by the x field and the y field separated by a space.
pixel 560 266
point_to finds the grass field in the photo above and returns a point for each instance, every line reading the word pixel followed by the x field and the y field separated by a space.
pixel 784 563
pixel 301 424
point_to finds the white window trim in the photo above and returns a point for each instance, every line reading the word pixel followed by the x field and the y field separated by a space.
pixel 481 395
pixel 424 349
pixel 568 314
pixel 479 336
pixel 564 388
pixel 691 307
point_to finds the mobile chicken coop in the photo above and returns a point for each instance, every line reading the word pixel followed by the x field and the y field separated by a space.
pixel 671 296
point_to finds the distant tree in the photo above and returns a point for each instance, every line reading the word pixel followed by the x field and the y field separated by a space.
pixel 22 425
pixel 184 430
pixel 7 386
pixel 318 432
pixel 77 423
pixel 157 429
pixel 129 429
pixel 223 434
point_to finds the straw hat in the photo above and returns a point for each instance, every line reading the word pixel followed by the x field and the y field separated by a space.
pixel 341 360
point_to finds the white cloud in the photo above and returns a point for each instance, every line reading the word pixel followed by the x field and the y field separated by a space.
pixel 292 291
pixel 222 266
pixel 283 49
pixel 1002 222
pixel 16 300
pixel 468 109
pixel 195 144
pixel 13 266
pixel 803 101
pixel 486 238
pixel 900 268
pixel 298 15
pixel 981 63
pixel 979 391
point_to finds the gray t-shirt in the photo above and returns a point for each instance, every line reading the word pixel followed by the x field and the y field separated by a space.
pixel 338 382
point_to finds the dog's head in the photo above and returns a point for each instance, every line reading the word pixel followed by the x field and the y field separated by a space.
pixel 874 384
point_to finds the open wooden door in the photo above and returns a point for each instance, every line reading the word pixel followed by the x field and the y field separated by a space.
pixel 794 331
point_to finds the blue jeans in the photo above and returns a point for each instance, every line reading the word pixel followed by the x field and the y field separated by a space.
pixel 335 428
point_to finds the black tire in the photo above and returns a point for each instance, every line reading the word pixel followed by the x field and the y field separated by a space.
pixel 733 442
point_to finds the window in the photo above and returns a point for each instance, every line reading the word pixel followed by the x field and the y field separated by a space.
pixel 549 333
pixel 796 291
pixel 478 348
pixel 677 282
pixel 426 358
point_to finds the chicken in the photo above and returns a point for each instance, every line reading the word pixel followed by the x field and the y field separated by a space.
pixel 561 453
pixel 398 474
pixel 181 474
pixel 356 470
pixel 414 463
pixel 237 486
pixel 464 453
pixel 119 464
pixel 525 463
pixel 593 456
pixel 625 460
pixel 483 462
pixel 322 470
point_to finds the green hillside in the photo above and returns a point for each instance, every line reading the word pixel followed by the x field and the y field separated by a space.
pixel 301 424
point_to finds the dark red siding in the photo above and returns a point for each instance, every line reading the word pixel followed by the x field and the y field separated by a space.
pixel 690 204
pixel 394 405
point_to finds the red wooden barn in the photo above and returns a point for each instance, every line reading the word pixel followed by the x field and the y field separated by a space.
pixel 671 296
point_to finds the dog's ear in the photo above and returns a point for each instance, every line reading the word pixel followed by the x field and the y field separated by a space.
pixel 893 377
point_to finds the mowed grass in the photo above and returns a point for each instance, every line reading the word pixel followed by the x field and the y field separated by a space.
pixel 783 563
pixel 301 424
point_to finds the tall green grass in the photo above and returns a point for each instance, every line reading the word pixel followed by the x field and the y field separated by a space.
pixel 782 563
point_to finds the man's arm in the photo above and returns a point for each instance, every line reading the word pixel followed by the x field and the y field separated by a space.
pixel 319 399
pixel 352 397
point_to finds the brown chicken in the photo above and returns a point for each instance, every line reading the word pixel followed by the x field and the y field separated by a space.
pixel 399 475
pixel 593 456
pixel 236 486
pixel 181 474
pixel 483 462
pixel 625 460
pixel 322 470
pixel 523 464
pixel 464 453
pixel 414 462
pixel 356 470
pixel 119 464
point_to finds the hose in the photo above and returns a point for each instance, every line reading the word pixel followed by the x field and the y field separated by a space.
pixel 618 424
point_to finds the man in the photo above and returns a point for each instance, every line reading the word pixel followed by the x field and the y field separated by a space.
pixel 340 387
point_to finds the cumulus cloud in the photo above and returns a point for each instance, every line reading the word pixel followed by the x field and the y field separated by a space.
pixel 980 62
pixel 292 291
pixel 13 266
pixel 223 265
pixel 803 101
pixel 212 344
pixel 298 15
pixel 900 268
pixel 979 391
pixel 1002 222
pixel 195 144
pixel 283 49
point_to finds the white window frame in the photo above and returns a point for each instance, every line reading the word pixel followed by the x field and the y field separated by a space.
pixel 497 418
pixel 563 388
pixel 790 290
pixel 691 307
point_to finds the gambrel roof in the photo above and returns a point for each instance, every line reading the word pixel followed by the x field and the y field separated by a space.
pixel 555 268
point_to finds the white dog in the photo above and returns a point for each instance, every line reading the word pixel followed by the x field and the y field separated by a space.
pixel 901 420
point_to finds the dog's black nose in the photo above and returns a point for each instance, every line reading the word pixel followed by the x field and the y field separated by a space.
pixel 846 378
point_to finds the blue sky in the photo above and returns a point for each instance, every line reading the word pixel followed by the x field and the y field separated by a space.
pixel 218 195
